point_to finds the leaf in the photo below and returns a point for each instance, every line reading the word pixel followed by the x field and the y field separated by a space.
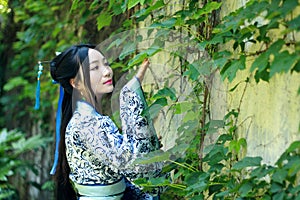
pixel 153 50
pixel 287 7
pixel 279 196
pixel 276 47
pixel 275 187
pixel 279 175
pixel 166 92
pixel 220 58
pixel 296 67
pixel 192 72
pixel 6 194
pixel 128 49
pixel 15 82
pixel 143 13
pixel 261 62
pixel 230 69
pixel 132 3
pixel 199 186
pixel 156 107
pixel 169 23
pixel 154 156
pixel 190 116
pixel 294 24
pixel 104 19
pixel 234 87
pixel 137 59
pixel 293 166
pixel 48 185
pixel 283 62
pixel 262 171
pixel 245 188
pixel 263 75
pixel 214 126
pixel 33 142
pixel 242 142
pixel 181 107
pixel 6 137
pixel 208 8
pixel 247 162
pixel 295 146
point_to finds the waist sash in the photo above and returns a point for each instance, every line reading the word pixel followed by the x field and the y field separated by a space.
pixel 101 192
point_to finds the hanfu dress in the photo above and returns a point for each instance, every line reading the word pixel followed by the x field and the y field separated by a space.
pixel 101 158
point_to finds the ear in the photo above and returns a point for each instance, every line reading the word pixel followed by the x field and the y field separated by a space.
pixel 72 82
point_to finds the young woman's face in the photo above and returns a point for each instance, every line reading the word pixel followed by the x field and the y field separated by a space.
pixel 100 73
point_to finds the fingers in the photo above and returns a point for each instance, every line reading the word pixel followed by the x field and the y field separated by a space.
pixel 145 63
pixel 142 70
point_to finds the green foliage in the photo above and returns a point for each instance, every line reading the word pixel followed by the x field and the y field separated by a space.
pixel 225 172
pixel 220 170
pixel 13 144
pixel 255 23
pixel 226 177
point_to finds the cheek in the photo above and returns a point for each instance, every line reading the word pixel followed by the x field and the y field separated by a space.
pixel 95 78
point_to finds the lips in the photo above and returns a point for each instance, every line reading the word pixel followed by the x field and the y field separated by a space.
pixel 108 82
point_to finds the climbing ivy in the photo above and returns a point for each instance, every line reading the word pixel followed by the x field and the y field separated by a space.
pixel 220 171
pixel 272 26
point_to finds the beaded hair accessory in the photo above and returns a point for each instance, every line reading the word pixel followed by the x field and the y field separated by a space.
pixel 38 86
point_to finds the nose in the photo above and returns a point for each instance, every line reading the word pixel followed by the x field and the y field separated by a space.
pixel 107 72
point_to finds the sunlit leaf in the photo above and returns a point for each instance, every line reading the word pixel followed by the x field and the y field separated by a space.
pixel 104 19
pixel 137 59
pixel 132 3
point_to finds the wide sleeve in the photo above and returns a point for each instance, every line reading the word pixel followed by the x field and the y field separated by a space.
pixel 135 118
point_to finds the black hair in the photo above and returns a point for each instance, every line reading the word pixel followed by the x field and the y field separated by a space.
pixel 63 68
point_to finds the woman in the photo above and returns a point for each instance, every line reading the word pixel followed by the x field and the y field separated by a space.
pixel 94 158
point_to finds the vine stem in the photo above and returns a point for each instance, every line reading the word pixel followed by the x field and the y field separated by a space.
pixel 203 130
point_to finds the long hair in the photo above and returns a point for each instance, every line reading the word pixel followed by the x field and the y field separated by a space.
pixel 63 68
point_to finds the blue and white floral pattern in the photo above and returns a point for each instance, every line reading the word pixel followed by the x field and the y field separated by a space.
pixel 98 153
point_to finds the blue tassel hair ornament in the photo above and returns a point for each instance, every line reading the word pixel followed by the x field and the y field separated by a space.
pixel 58 112
pixel 38 86
pixel 57 130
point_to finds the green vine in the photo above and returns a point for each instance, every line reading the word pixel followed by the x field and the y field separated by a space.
pixel 217 171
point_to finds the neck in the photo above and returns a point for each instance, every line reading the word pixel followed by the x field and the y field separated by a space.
pixel 98 104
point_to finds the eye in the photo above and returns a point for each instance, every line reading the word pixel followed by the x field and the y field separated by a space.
pixel 95 68
pixel 106 64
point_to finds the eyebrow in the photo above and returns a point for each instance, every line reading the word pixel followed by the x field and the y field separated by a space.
pixel 94 61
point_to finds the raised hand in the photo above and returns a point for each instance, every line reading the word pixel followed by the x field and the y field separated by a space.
pixel 142 70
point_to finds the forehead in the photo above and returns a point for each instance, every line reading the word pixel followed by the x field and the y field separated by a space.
pixel 95 55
